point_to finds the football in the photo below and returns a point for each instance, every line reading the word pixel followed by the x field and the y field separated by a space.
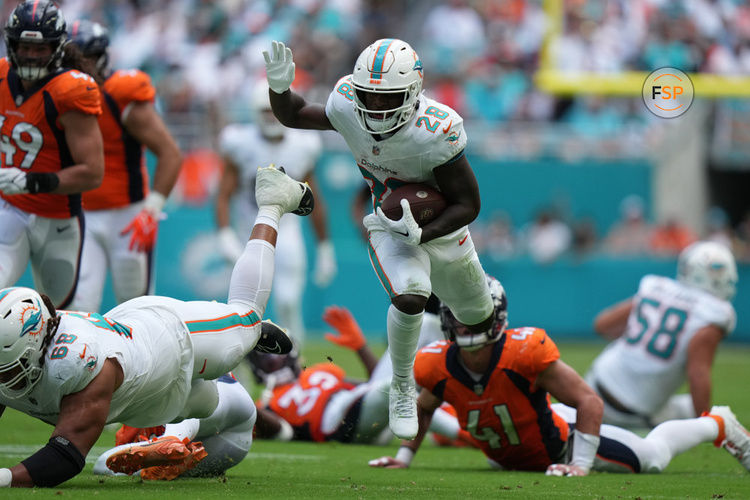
pixel 425 201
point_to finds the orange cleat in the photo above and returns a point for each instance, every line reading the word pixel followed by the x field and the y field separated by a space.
pixel 171 471
pixel 167 451
pixel 127 434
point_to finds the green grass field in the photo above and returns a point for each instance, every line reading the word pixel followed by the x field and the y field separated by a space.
pixel 331 470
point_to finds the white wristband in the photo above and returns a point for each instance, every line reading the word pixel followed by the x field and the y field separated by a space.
pixel 154 202
pixel 286 433
pixel 405 455
pixel 584 449
pixel 6 478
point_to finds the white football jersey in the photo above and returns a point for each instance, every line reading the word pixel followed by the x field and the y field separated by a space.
pixel 152 346
pixel 298 152
pixel 647 364
pixel 434 135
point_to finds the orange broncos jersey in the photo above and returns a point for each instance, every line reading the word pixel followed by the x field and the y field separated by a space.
pixel 302 403
pixel 511 424
pixel 125 177
pixel 32 139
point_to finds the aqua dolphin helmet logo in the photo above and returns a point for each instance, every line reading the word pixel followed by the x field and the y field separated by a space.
pixel 418 66
pixel 32 321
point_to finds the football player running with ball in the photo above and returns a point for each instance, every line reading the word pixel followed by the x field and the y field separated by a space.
pixel 147 361
pixel 500 384
pixel 399 136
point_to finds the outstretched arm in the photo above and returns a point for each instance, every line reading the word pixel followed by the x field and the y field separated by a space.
pixel 82 418
pixel 611 322
pixel 427 403
pixel 349 335
pixel 563 383
pixel 291 109
pixel 143 122
pixel 700 358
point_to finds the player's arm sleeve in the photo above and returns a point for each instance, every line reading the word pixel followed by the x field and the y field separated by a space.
pixel 342 95
pixel 719 313
pixel 425 373
pixel 538 354
pixel 77 93
pixel 452 141
pixel 129 87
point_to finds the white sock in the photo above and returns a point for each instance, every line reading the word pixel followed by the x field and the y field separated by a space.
pixel 270 215
pixel 677 436
pixel 252 276
pixel 445 424
pixel 403 338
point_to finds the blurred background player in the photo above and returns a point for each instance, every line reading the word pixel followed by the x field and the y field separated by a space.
pixel 321 403
pixel 668 333
pixel 51 151
pixel 122 215
pixel 392 131
pixel 150 360
pixel 500 384
pixel 244 147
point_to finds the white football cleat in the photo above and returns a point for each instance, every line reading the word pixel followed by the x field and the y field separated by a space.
pixel 737 438
pixel 402 408
pixel 274 187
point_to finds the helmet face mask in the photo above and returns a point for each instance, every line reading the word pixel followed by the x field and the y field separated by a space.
pixel 457 332
pixel 274 369
pixel 35 23
pixel 709 266
pixel 23 328
pixel 387 80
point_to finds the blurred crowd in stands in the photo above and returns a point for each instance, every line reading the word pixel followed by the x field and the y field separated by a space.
pixel 551 235
pixel 479 57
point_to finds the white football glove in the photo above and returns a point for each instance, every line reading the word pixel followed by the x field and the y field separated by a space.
pixel 230 246
pixel 13 181
pixel 325 264
pixel 406 228
pixel 279 67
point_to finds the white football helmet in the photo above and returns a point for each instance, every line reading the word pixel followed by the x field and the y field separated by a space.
pixel 709 266
pixel 23 326
pixel 269 126
pixel 459 333
pixel 388 66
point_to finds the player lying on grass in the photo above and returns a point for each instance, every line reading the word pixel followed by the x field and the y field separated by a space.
pixel 500 385
pixel 320 403
pixel 149 360
pixel 664 336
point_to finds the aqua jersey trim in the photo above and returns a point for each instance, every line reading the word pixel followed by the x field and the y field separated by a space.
pixel 234 320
